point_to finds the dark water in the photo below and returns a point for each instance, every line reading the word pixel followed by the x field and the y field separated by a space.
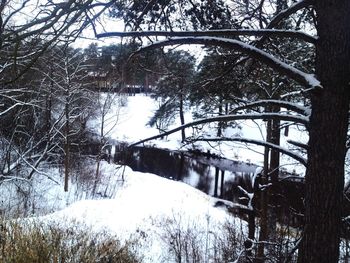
pixel 212 175
pixel 218 177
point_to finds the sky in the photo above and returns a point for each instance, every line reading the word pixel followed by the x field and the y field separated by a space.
pixel 108 24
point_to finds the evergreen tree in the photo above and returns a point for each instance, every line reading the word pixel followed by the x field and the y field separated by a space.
pixel 174 86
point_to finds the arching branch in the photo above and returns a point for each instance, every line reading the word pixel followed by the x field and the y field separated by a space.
pixel 285 104
pixel 216 33
pixel 307 80
pixel 285 117
pixel 261 143
pixel 289 11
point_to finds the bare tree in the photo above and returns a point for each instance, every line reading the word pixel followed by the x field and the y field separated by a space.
pixel 73 102
pixel 28 29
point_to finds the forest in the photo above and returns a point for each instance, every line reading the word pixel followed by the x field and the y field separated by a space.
pixel 198 72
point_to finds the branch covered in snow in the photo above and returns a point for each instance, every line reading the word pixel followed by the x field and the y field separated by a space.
pixel 297 92
pixel 305 79
pixel 289 11
pixel 250 197
pixel 9 178
pixel 298 144
pixel 284 117
pixel 284 104
pixel 215 33
pixel 261 143
pixel 233 205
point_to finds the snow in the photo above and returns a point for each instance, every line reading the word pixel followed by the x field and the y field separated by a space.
pixel 143 204
pixel 307 79
pixel 214 33
pixel 145 207
pixel 128 123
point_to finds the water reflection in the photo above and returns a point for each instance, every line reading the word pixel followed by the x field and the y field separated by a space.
pixel 215 176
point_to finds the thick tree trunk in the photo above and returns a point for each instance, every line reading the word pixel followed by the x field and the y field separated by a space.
pixel 328 127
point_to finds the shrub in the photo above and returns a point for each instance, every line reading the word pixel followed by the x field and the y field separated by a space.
pixel 188 242
pixel 33 242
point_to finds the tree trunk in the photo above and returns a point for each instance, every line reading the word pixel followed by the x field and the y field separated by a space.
pixel 222 182
pixel 264 199
pixel 48 106
pixel 181 110
pixel 146 84
pixel 101 145
pixel 66 150
pixel 216 184
pixel 220 124
pixel 328 127
pixel 273 179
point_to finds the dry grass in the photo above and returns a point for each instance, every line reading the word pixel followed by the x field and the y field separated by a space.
pixel 37 243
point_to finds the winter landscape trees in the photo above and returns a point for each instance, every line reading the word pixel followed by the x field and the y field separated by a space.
pixel 284 62
pixel 327 89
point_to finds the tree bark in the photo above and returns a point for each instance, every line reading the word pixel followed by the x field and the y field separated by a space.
pixel 222 181
pixel 181 111
pixel 216 185
pixel 220 124
pixel 328 128
pixel 273 179
pixel 264 199
pixel 66 149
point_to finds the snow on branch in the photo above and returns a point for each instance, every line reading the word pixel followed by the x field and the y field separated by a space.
pixel 298 144
pixel 9 178
pixel 216 33
pixel 289 94
pixel 10 108
pixel 279 116
pixel 289 11
pixel 261 143
pixel 233 205
pixel 284 104
pixel 307 80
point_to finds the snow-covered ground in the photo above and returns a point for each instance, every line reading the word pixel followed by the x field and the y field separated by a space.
pixel 146 207
pixel 141 206
pixel 144 204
